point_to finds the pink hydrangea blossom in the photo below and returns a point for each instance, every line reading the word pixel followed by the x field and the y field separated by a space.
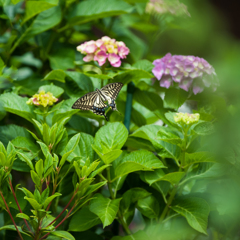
pixel 189 72
pixel 104 49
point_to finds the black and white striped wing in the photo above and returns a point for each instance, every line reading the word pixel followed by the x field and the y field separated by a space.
pixel 91 101
pixel 110 92
pixel 86 101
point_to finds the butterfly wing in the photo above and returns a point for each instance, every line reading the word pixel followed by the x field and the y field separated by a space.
pixel 86 101
pixel 91 101
pixel 99 106
pixel 110 92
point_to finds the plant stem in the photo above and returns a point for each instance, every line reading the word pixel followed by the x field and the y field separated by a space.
pixel 120 217
pixel 174 191
pixel 11 216
pixel 74 194
pixel 60 222
pixel 128 109
pixel 20 210
pixel 169 202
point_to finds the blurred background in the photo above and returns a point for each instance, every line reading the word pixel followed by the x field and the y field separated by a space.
pixel 205 28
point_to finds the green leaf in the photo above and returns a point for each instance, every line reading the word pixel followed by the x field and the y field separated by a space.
pixel 132 196
pixel 195 210
pixel 197 157
pixel 15 104
pixel 12 228
pixel 63 234
pixel 33 203
pixel 11 131
pixel 90 10
pixel 35 7
pixel 36 179
pixel 132 75
pixel 168 135
pixel 65 111
pixel 25 144
pixel 108 157
pixel 174 98
pixel 26 159
pixel 44 148
pixel 62 59
pixel 83 148
pixel 83 82
pixel 55 90
pixel 149 207
pixel 151 101
pixel 110 137
pixel 163 148
pixel 56 75
pixel 44 21
pixel 39 168
pixel 23 215
pixel 144 64
pixel 83 220
pixel 73 142
pixel 104 208
pixel 141 160
pixel 49 199
pixel 139 235
pixel 204 128
pixel 173 178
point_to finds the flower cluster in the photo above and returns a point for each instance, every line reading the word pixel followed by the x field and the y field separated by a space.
pixel 188 72
pixel 186 118
pixel 173 7
pixel 43 99
pixel 103 49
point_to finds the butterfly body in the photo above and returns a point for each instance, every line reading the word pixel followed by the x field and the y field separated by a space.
pixel 95 101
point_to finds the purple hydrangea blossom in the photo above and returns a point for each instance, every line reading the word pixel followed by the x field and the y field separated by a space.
pixel 189 72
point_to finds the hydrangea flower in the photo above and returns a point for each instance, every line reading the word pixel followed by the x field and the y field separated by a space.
pixel 186 118
pixel 189 72
pixel 42 99
pixel 104 49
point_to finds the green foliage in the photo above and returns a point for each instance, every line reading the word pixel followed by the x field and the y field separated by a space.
pixel 81 174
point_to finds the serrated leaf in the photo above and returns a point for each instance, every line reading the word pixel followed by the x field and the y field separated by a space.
pixel 173 178
pixel 204 128
pixel 141 160
pixel 195 210
pixel 163 148
pixel 197 157
pixel 108 157
pixel 149 206
pixel 105 208
pixel 110 137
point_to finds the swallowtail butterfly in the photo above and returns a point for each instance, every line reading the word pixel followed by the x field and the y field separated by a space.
pixel 95 101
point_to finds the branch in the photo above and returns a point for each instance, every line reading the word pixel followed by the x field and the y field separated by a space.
pixel 11 216
pixel 20 210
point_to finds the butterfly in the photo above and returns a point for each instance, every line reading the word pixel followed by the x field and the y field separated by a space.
pixel 95 101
